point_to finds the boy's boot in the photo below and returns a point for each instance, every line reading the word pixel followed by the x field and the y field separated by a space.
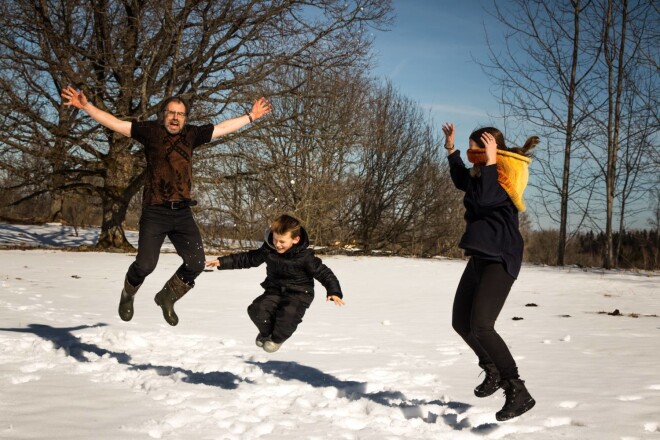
pixel 261 340
pixel 271 347
pixel 518 399
pixel 126 300
pixel 172 291
pixel 491 382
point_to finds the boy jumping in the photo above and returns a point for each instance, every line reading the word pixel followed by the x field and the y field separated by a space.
pixel 291 268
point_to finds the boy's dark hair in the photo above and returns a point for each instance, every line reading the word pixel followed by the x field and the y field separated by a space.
pixel 286 223
pixel 531 142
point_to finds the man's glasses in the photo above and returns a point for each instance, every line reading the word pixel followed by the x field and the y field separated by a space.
pixel 172 113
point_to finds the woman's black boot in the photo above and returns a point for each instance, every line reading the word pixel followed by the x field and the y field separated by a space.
pixel 518 399
pixel 491 382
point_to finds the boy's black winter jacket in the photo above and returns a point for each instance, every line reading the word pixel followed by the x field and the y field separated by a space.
pixel 491 218
pixel 292 271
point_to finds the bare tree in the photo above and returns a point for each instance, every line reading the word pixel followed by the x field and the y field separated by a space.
pixel 128 55
pixel 565 72
pixel 398 145
pixel 637 174
pixel 301 165
pixel 356 161
pixel 437 224
pixel 622 62
pixel 614 61
pixel 547 84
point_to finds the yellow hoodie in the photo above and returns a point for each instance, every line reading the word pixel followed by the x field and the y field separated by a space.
pixel 512 172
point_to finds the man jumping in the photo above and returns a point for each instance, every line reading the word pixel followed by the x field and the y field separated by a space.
pixel 168 146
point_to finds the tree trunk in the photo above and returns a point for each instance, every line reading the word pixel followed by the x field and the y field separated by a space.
pixel 112 235
pixel 55 213
pixel 617 248
pixel 57 159
pixel 570 107
pixel 613 124
pixel 122 181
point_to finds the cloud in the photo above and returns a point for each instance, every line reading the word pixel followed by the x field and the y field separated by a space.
pixel 398 68
pixel 447 109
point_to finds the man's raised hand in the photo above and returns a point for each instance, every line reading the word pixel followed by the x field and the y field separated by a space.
pixel 74 98
pixel 260 107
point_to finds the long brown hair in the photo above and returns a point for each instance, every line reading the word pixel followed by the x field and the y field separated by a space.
pixel 530 143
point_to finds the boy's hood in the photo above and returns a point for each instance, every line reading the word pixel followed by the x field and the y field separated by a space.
pixel 300 246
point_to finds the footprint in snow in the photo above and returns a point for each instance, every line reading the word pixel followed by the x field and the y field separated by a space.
pixel 569 404
pixel 554 422
pixel 651 427
pixel 17 380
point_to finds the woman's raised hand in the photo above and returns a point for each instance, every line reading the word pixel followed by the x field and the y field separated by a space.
pixel 448 130
pixel 491 148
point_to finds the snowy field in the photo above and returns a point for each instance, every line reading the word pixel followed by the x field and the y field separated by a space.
pixel 386 366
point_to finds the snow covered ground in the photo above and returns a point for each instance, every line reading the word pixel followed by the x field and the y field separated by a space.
pixel 386 366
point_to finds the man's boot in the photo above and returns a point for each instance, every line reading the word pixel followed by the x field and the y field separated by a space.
pixel 518 399
pixel 171 292
pixel 491 382
pixel 126 300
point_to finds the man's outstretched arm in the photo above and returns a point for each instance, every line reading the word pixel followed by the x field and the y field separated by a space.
pixel 260 107
pixel 79 100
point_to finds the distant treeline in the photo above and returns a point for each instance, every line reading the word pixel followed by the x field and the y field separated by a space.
pixel 436 232
pixel 637 249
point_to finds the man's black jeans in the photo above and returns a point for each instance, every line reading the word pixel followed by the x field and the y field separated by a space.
pixel 158 222
pixel 480 296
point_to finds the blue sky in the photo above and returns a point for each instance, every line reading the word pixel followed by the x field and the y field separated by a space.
pixel 429 55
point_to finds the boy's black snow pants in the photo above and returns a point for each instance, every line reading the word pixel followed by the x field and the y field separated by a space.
pixel 158 222
pixel 278 313
pixel 480 296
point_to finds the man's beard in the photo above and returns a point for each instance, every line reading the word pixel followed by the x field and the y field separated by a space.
pixel 174 127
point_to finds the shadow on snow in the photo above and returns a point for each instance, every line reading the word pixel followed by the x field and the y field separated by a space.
pixel 63 338
pixel 353 390
pixel 47 236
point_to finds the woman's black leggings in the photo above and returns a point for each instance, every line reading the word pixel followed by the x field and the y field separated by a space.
pixel 480 296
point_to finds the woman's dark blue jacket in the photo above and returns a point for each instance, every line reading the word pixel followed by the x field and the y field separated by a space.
pixel 492 228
